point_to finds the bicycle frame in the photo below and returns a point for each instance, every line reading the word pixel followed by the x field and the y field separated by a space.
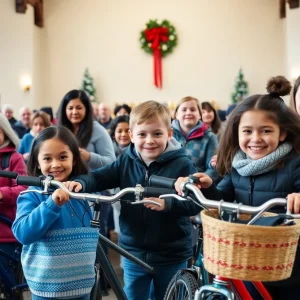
pixel 7 275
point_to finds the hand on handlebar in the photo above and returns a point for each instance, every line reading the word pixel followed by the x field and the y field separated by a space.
pixel 293 203
pixel 152 206
pixel 73 186
pixel 204 182
pixel 60 197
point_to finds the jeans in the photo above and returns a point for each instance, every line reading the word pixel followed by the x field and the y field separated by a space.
pixel 137 281
pixel 85 297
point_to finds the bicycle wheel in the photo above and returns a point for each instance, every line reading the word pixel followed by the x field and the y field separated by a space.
pixel 182 287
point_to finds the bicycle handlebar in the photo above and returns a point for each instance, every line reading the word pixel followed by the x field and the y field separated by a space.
pixel 218 204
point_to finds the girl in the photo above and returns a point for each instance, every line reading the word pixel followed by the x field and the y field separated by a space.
pixel 76 113
pixel 295 97
pixel 119 133
pixel 200 143
pixel 10 160
pixel 59 246
pixel 210 117
pixel 39 121
pixel 259 156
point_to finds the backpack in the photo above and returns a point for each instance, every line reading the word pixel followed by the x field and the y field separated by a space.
pixel 5 160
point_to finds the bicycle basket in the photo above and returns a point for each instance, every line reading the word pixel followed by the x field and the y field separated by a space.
pixel 253 253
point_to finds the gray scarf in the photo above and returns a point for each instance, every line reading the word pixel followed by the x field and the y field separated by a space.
pixel 246 166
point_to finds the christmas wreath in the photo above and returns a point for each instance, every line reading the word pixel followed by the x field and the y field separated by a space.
pixel 158 36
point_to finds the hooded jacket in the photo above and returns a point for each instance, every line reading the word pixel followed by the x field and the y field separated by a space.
pixel 200 145
pixel 157 237
pixel 8 187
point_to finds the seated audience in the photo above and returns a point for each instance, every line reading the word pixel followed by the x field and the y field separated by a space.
pixel 23 125
pixel 8 111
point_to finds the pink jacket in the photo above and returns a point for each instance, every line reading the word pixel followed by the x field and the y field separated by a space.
pixel 10 192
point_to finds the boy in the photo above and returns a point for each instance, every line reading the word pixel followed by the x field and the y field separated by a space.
pixel 161 236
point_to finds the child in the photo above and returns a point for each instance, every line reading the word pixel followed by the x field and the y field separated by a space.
pixel 259 156
pixel 198 140
pixel 10 160
pixel 59 246
pixel 161 236
pixel 210 117
pixel 39 121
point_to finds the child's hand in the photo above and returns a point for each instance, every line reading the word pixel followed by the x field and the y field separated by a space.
pixel 293 203
pixel 85 155
pixel 153 206
pixel 73 186
pixel 60 197
pixel 204 182
pixel 213 161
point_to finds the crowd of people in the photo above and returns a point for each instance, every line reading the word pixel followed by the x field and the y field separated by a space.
pixel 250 157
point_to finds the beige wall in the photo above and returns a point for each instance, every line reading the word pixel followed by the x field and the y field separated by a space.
pixel 216 38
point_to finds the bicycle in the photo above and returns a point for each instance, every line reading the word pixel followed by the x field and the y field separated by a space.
pixel 101 257
pixel 194 283
pixel 12 282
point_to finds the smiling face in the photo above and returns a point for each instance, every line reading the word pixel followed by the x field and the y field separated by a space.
pixel 122 134
pixel 55 158
pixel 208 116
pixel 150 138
pixel 188 115
pixel 37 126
pixel 75 111
pixel 259 135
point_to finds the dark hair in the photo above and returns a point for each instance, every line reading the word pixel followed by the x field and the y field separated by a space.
pixel 114 124
pixel 119 107
pixel 274 106
pixel 293 94
pixel 216 123
pixel 86 127
pixel 66 137
pixel 48 110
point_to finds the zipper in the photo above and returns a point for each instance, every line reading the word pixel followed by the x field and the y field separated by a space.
pixel 252 179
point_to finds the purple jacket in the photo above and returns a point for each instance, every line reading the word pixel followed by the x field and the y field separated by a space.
pixel 10 192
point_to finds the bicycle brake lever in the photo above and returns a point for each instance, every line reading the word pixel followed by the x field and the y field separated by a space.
pixel 172 196
pixel 146 201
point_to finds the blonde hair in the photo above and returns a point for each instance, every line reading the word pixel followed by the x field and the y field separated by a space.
pixel 187 99
pixel 149 110
pixel 43 116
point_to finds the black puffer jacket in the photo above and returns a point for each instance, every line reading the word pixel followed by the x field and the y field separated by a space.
pixel 256 190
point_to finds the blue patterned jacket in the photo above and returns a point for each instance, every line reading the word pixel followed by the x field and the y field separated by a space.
pixel 200 145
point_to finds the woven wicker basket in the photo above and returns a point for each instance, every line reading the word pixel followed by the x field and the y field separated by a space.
pixel 254 253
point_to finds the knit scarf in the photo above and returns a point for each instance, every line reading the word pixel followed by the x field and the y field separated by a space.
pixel 246 166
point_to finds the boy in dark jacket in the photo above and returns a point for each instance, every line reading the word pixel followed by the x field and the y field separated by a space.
pixel 161 236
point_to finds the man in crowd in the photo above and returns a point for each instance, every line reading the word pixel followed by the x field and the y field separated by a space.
pixel 23 125
pixel 104 115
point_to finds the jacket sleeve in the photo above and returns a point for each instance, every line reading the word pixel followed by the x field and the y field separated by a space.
pixel 98 180
pixel 104 151
pixel 182 208
pixel 211 150
pixel 34 217
pixel 10 193
pixel 226 188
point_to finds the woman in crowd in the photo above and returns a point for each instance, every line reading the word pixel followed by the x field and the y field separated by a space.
pixel 210 117
pixel 76 113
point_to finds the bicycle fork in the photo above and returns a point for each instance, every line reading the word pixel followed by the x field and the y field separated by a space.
pixel 220 286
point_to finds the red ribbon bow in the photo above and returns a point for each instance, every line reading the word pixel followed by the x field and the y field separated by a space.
pixel 155 36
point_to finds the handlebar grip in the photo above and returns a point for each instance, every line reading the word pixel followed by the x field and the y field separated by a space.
pixel 8 174
pixel 156 192
pixel 162 182
pixel 29 180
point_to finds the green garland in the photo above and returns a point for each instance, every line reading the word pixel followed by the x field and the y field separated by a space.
pixel 166 47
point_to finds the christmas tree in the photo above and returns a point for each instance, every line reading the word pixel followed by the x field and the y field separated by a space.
pixel 241 88
pixel 88 86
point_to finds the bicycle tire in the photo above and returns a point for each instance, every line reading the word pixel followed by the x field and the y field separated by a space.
pixel 182 287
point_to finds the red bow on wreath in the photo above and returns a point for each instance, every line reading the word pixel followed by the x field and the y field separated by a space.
pixel 155 36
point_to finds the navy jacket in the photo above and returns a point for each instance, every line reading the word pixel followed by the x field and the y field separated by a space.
pixel 256 190
pixel 155 237
pixel 20 129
